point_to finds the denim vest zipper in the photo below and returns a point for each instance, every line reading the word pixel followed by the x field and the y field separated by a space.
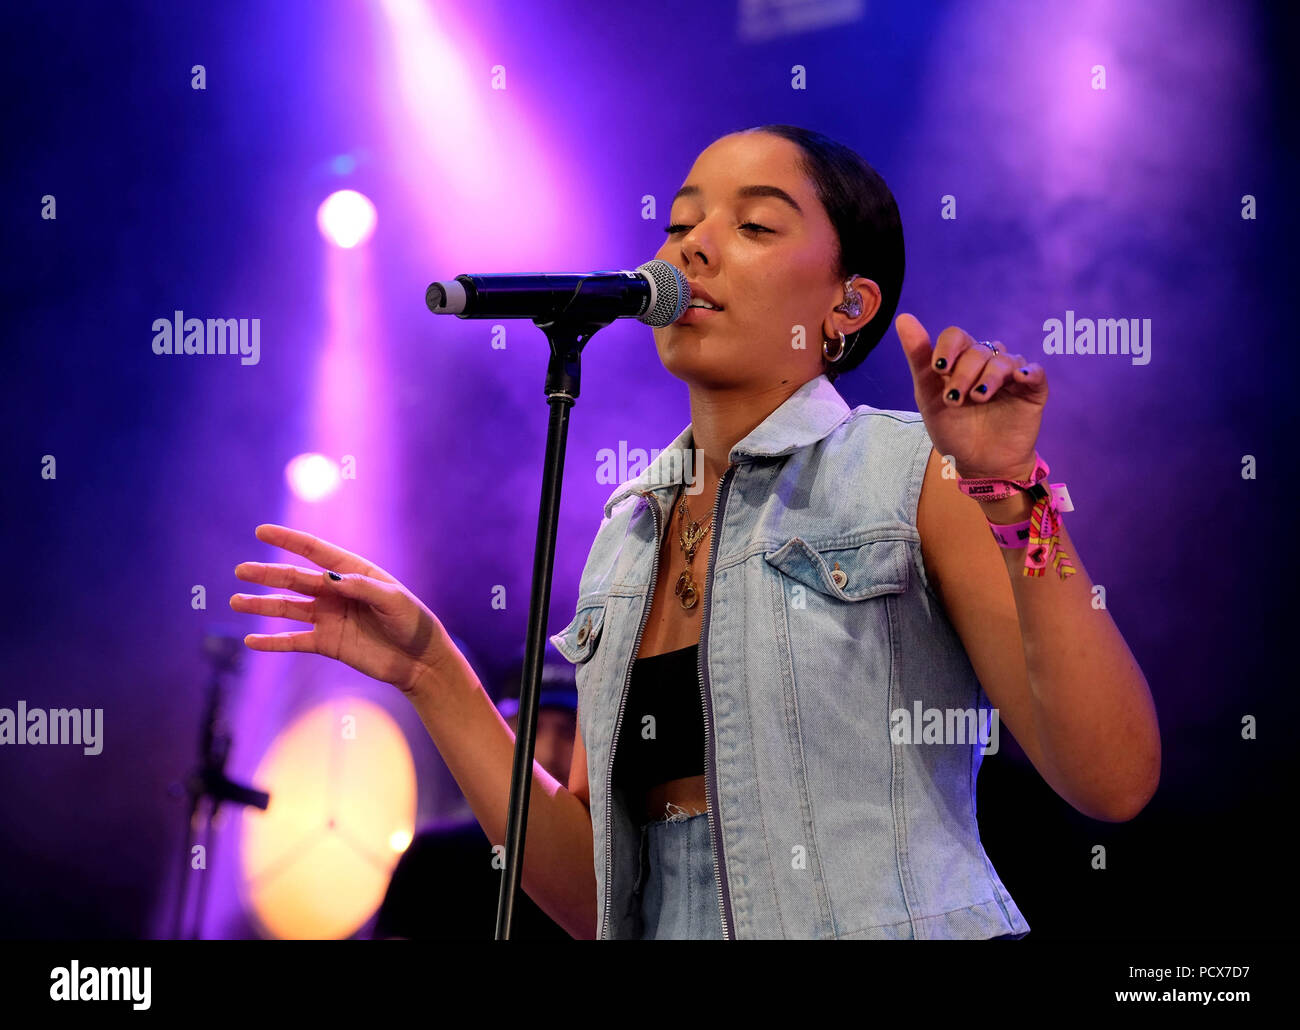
pixel 710 778
pixel 618 722
pixel 710 763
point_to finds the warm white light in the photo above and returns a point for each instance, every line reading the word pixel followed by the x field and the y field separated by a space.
pixel 317 862
pixel 399 841
pixel 346 218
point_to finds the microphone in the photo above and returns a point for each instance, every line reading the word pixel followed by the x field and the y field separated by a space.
pixel 656 294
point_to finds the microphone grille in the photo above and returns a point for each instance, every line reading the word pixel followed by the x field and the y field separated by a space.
pixel 669 293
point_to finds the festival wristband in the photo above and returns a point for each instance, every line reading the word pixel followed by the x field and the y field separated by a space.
pixel 1040 533
pixel 997 489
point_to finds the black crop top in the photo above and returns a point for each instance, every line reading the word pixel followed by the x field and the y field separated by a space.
pixel 667 688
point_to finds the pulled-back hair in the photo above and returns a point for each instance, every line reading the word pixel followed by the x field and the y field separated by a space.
pixel 868 229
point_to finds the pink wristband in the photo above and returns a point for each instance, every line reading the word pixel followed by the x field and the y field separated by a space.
pixel 1016 534
pixel 985 490
pixel 1039 533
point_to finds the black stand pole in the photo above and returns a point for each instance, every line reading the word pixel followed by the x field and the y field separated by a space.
pixel 209 779
pixel 563 376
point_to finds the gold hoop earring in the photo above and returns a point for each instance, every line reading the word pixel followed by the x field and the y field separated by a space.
pixel 839 353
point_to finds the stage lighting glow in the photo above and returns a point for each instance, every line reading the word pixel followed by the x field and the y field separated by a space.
pixel 346 218
pixel 483 147
pixel 312 477
pixel 316 864
pixel 399 841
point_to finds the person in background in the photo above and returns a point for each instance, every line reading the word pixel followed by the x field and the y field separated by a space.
pixel 446 884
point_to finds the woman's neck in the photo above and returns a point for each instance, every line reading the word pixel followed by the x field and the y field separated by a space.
pixel 720 419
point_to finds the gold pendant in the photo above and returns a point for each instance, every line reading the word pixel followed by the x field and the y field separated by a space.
pixel 685 590
pixel 690 539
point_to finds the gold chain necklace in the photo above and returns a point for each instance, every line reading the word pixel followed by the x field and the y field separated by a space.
pixel 692 533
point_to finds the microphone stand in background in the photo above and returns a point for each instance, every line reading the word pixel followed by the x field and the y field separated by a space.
pixel 223 650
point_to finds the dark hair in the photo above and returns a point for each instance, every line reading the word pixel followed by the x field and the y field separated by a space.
pixel 867 226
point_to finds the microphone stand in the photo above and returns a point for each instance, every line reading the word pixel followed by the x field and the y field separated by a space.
pixel 209 779
pixel 567 335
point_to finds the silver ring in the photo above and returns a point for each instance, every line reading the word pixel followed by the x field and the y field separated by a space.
pixel 985 343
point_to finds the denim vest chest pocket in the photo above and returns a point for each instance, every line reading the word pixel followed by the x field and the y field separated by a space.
pixel 847 571
pixel 835 609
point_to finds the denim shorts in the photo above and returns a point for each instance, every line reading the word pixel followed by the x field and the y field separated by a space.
pixel 678 885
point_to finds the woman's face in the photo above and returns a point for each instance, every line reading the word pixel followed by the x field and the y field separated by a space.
pixel 748 229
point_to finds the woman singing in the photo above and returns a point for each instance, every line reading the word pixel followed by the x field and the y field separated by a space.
pixel 799 629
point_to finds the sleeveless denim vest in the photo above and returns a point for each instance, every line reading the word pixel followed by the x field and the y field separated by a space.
pixel 817 623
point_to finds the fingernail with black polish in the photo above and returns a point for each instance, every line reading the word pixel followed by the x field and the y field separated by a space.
pixel 982 388
pixel 953 395
pixel 1024 371
pixel 334 576
pixel 941 363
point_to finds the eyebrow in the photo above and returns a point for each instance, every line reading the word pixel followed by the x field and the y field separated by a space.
pixel 747 191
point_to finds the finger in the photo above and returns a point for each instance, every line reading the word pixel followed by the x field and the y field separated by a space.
pixel 385 598
pixel 975 365
pixel 1033 374
pixel 950 346
pixel 917 350
pixel 991 380
pixel 322 552
pixel 277 606
pixel 912 335
pixel 274 574
pixel 302 640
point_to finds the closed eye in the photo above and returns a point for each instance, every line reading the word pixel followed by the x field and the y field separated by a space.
pixel 675 228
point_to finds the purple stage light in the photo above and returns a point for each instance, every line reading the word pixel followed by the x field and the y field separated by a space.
pixel 312 477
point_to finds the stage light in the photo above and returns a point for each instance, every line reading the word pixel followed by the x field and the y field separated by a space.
pixel 316 864
pixel 346 218
pixel 312 477
pixel 399 841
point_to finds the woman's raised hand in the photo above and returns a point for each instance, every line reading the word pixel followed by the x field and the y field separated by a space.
pixel 982 407
pixel 359 613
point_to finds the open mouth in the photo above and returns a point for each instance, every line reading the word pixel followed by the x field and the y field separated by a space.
pixel 698 313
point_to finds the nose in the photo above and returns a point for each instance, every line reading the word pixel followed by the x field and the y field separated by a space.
pixel 695 246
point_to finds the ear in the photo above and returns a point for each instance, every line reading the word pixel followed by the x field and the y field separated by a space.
pixel 838 321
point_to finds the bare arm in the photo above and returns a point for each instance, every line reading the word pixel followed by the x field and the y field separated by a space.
pixel 362 616
pixel 478 747
pixel 1056 668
